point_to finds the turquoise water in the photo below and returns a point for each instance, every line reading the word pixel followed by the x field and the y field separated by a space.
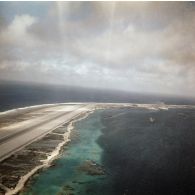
pixel 65 177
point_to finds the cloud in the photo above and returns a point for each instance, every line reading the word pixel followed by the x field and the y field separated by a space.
pixel 127 45
pixel 16 40
pixel 17 32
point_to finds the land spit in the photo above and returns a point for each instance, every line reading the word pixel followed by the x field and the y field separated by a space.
pixel 19 167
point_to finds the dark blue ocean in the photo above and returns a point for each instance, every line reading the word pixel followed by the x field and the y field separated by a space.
pixel 15 95
pixel 139 157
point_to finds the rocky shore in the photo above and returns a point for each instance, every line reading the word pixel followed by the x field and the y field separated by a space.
pixel 22 162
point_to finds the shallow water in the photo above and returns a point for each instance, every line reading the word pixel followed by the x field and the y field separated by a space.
pixel 65 177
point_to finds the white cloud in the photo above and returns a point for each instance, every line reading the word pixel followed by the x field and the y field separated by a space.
pixel 17 32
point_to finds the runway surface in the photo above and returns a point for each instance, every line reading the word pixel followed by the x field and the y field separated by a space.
pixel 18 129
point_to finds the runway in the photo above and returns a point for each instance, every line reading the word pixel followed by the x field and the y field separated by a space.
pixel 21 129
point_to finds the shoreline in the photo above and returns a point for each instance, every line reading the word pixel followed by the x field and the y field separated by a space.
pixel 54 154
pixel 51 157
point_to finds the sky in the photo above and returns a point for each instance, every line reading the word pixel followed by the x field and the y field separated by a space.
pixel 145 47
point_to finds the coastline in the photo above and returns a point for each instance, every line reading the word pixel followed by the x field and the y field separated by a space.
pixel 67 138
pixel 52 156
pixel 100 105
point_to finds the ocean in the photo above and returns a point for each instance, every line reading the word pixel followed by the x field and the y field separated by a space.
pixel 124 152
pixel 16 95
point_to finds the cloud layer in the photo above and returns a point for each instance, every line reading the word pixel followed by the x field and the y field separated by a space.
pixel 142 47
